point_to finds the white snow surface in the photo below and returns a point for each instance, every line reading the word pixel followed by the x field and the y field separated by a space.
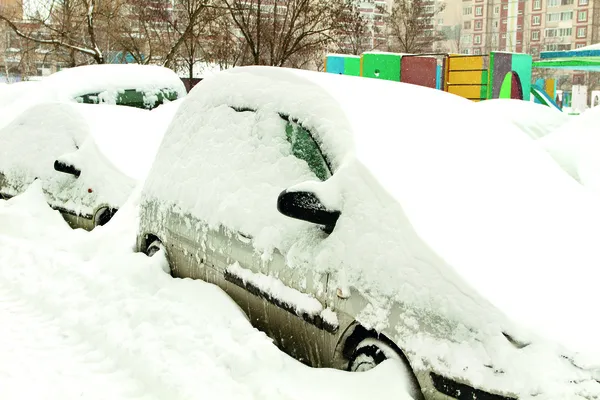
pixel 438 214
pixel 85 317
pixel 536 120
pixel 575 147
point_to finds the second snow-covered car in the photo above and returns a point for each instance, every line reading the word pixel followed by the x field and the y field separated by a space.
pixel 288 189
pixel 88 157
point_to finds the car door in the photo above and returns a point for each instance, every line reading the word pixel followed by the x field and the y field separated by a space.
pixel 285 301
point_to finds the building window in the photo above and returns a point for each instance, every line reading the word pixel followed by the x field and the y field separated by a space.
pixel 534 50
pixel 477 51
pixel 478 25
pixel 579 45
pixel 535 35
pixel 535 20
pixel 503 22
pixel 504 36
pixel 566 2
pixel 467 25
pixel 467 10
pixel 558 32
pixel 582 16
pixel 583 2
pixel 479 10
pixel 495 24
pixel 505 7
pixel 553 3
pixel 537 4
pixel 477 39
pixel 581 32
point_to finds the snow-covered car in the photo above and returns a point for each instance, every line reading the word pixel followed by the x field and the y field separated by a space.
pixel 536 120
pixel 348 281
pixel 88 157
pixel 141 86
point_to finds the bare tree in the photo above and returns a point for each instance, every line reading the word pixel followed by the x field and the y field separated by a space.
pixel 411 26
pixel 354 33
pixel 274 31
pixel 71 25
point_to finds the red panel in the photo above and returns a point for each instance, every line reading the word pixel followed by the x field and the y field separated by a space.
pixel 419 71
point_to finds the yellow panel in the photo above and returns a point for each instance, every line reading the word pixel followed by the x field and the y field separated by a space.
pixel 470 91
pixel 463 63
pixel 550 87
pixel 473 77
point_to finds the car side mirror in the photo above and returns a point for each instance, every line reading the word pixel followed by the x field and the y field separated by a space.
pixel 66 168
pixel 306 206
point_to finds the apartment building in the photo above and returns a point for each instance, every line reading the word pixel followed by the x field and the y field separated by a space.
pixel 374 13
pixel 555 25
pixel 528 26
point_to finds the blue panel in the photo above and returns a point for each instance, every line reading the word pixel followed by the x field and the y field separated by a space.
pixel 438 77
pixel 335 65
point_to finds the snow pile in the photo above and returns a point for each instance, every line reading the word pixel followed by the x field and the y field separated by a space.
pixel 438 219
pixel 575 147
pixel 536 120
pixel 83 320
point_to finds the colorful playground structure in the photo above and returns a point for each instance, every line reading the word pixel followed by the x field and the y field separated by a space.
pixel 475 77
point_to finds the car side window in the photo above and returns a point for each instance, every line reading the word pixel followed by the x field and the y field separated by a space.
pixel 305 148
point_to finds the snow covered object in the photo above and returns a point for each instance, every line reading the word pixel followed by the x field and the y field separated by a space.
pixel 141 86
pixel 536 120
pixel 393 214
pixel 88 157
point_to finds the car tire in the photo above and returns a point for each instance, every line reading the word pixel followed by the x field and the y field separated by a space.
pixel 154 248
pixel 371 352
pixel 104 215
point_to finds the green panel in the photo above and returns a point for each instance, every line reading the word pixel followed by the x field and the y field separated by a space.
pixel 522 64
pixel 382 66
pixel 484 83
pixel 133 98
pixel 505 89
pixel 489 78
pixel 352 66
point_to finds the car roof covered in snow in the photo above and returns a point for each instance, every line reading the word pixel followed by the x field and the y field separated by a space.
pixel 73 82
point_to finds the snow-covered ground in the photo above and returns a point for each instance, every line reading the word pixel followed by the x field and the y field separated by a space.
pixel 82 316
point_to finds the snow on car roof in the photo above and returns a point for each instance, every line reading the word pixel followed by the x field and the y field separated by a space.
pixel 72 82
pixel 536 120
pixel 485 197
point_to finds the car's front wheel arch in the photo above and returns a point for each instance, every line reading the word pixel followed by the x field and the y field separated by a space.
pixel 363 346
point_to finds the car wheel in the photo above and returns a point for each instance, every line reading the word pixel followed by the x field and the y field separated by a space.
pixel 154 248
pixel 371 352
pixel 103 216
